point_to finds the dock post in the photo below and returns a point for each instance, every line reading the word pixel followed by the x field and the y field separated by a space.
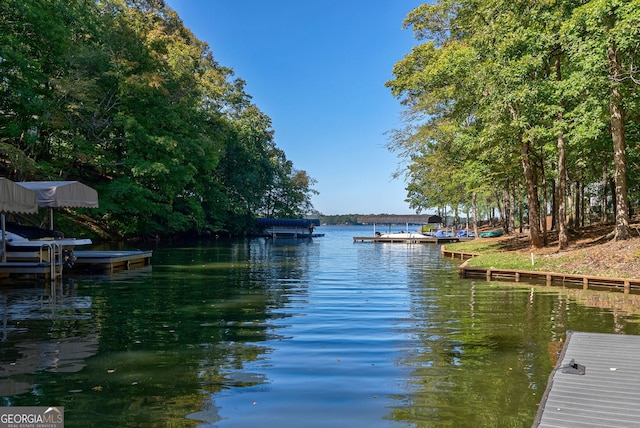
pixel 627 287
pixel 585 283
pixel 548 280
pixel 488 275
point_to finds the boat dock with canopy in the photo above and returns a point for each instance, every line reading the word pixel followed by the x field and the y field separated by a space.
pixel 26 197
pixel 15 199
pixel 288 227
pixel 406 237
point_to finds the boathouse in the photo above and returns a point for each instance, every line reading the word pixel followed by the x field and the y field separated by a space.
pixel 288 227
pixel 420 219
pixel 48 253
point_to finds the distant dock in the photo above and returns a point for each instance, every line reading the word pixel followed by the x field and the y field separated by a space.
pixel 406 240
pixel 594 384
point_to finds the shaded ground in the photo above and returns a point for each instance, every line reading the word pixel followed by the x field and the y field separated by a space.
pixel 589 252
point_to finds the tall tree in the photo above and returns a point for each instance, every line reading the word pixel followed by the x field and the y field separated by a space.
pixel 602 38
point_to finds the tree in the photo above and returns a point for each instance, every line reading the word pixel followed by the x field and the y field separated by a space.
pixel 520 82
pixel 602 38
pixel 120 95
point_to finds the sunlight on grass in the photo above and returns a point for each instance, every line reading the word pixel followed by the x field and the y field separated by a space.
pixel 494 254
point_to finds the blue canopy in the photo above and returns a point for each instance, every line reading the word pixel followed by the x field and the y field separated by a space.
pixel 287 222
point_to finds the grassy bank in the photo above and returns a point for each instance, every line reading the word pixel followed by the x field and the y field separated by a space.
pixel 616 259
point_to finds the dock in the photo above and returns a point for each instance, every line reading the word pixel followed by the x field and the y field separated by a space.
pixel 86 261
pixel 594 384
pixel 111 261
pixel 41 268
pixel 412 240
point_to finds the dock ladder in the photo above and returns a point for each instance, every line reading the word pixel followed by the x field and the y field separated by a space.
pixel 51 252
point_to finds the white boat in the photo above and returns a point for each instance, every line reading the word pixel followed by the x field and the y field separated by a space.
pixel 23 238
pixel 29 243
pixel 400 235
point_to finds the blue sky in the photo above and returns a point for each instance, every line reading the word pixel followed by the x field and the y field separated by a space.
pixel 318 69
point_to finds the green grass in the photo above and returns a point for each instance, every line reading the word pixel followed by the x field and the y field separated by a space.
pixel 495 255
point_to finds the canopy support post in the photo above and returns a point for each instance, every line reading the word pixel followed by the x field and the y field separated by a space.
pixel 4 240
pixel 50 218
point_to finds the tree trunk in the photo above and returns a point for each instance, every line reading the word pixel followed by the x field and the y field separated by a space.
pixel 532 197
pixel 475 214
pixel 512 202
pixel 544 205
pixel 554 204
pixel 500 207
pixel 583 205
pixel 578 217
pixel 563 237
pixel 619 148
pixel 520 213
pixel 456 217
pixel 507 209
pixel 612 187
pixel 603 201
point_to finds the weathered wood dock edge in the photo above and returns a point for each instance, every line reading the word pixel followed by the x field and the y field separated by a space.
pixel 594 383
pixel 587 282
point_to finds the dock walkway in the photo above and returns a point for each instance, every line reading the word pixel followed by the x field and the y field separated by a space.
pixel 594 384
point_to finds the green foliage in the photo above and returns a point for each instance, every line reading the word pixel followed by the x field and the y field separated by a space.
pixel 492 78
pixel 120 95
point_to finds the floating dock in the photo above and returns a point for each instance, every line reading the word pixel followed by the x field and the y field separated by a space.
pixel 86 261
pixel 406 240
pixel 39 268
pixel 111 261
pixel 594 384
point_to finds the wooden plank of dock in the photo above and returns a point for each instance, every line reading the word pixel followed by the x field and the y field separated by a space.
pixel 606 395
pixel 25 267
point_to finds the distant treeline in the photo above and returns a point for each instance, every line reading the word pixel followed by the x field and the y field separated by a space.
pixel 343 219
pixel 120 95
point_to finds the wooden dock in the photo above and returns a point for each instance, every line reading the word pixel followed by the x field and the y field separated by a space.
pixel 407 240
pixel 38 268
pixel 111 261
pixel 86 261
pixel 594 384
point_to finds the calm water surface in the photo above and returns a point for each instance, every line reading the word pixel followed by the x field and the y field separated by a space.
pixel 317 333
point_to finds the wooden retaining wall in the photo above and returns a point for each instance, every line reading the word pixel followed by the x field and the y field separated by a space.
pixel 587 282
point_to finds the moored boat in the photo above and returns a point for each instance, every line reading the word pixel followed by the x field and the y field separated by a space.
pixel 28 242
pixel 492 233
pixel 400 235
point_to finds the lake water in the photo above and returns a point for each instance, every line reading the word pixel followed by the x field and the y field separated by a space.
pixel 285 333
